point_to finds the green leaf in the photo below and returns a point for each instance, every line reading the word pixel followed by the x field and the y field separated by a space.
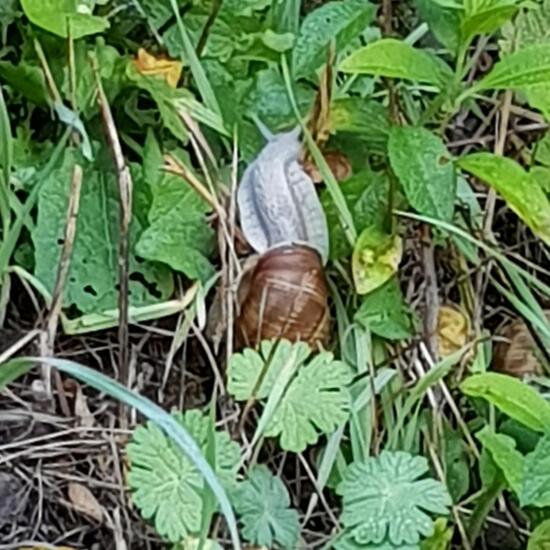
pixel 540 537
pixel 504 454
pixel 93 275
pixel 26 79
pixel 61 17
pixel 165 97
pixel 221 43
pixel 457 464
pixel 542 150
pixel 521 192
pixel 444 22
pixel 532 26
pixel 316 399
pixel 197 70
pixel 177 433
pixel 520 70
pixel 268 99
pixel 396 59
pixel 536 476
pixel 263 506
pixel 375 259
pixel 316 402
pixel 366 194
pixel 111 68
pixel 512 397
pixel 9 12
pixel 178 234
pixel 347 541
pixel 385 313
pixel 366 120
pixel 284 16
pixel 441 539
pixel 253 374
pixel 339 20
pixel 486 17
pixel 158 12
pixel 166 485
pixel 384 497
pixel 424 168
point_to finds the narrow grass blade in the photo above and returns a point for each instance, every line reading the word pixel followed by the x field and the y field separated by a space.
pixel 6 159
pixel 11 370
pixel 203 84
pixel 507 264
pixel 10 240
pixel 6 140
pixel 344 214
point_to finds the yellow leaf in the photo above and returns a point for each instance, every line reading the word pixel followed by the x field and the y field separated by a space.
pixel 453 328
pixel 375 259
pixel 148 65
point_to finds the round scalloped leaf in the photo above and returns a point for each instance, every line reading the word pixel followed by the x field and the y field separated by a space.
pixel 316 401
pixel 166 486
pixel 347 542
pixel 262 503
pixel 249 375
pixel 384 499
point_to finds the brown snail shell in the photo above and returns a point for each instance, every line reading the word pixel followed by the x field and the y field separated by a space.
pixel 518 355
pixel 284 296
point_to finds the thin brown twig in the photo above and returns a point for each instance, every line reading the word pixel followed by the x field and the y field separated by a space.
pixel 125 187
pixel 431 292
pixel 59 287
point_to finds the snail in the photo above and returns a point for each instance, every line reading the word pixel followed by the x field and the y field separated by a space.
pixel 518 355
pixel 284 294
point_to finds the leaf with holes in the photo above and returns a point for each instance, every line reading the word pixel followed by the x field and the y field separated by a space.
pixel 511 396
pixel 316 399
pixel 521 192
pixel 384 499
pixel 93 275
pixel 375 259
pixel 263 506
pixel 425 170
pixel 340 21
pixel 62 17
pixel 166 486
pixel 397 59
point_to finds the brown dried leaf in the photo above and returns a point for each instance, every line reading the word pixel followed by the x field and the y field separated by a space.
pixel 148 64
pixel 81 410
pixel 85 502
pixel 453 328
pixel 518 356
